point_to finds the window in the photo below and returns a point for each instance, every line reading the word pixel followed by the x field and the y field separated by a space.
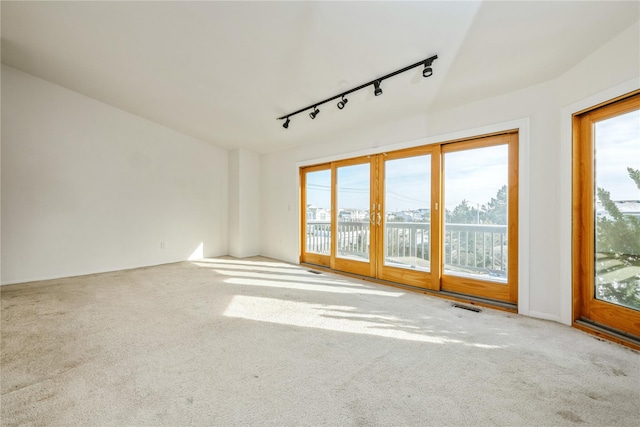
pixel 606 218
pixel 442 217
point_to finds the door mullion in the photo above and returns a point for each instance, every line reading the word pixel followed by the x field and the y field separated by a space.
pixel 377 184
pixel 437 219
pixel 334 215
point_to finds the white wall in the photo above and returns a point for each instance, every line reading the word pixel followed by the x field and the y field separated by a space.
pixel 87 187
pixel 244 203
pixel 541 106
pixel 280 206
pixel 609 72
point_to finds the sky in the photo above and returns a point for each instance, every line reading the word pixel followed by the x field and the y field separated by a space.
pixel 474 175
pixel 319 188
pixel 408 183
pixel 617 146
pixel 477 175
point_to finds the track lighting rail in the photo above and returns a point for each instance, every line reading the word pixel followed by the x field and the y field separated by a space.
pixel 428 71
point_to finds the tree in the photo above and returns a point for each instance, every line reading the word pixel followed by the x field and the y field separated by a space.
pixel 617 233
pixel 634 174
pixel 495 212
pixel 618 237
pixel 472 246
pixel 464 213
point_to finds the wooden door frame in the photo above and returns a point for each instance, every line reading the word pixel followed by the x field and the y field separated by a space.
pixel 431 279
pixel 306 257
pixel 344 264
pixel 485 289
pixel 510 137
pixel 584 304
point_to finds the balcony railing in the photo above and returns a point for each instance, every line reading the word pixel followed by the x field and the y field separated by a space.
pixel 477 249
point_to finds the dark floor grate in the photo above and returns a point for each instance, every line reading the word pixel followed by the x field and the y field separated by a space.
pixel 466 307
pixel 314 272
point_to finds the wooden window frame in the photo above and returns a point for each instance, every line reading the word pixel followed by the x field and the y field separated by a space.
pixel 437 281
pixel 614 322
pixel 310 257
pixel 485 289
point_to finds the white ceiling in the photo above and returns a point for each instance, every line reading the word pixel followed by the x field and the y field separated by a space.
pixel 223 71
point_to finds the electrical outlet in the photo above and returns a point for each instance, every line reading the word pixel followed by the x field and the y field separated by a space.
pixel 161 245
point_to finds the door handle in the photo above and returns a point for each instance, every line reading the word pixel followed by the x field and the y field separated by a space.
pixel 379 218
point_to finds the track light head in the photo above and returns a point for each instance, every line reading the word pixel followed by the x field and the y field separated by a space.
pixel 286 124
pixel 342 103
pixel 314 113
pixel 428 71
pixel 377 91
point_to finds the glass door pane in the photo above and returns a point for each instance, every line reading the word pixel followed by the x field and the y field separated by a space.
pixel 475 220
pixel 407 212
pixel 353 189
pixel 318 212
pixel 617 210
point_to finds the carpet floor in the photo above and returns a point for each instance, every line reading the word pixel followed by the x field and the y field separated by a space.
pixel 257 342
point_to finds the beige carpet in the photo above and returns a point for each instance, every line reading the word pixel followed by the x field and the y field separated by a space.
pixel 256 342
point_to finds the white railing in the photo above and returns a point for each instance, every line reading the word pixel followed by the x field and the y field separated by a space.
pixel 476 249
pixel 471 248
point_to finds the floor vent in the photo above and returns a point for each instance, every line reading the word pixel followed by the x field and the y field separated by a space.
pixel 314 271
pixel 466 307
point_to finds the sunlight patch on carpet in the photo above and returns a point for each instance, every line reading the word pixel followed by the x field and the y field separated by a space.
pixel 303 286
pixel 332 318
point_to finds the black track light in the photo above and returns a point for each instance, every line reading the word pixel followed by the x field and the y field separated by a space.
pixel 427 72
pixel 377 91
pixel 342 103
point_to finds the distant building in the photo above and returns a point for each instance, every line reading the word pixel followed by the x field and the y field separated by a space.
pixel 353 215
pixel 318 214
pixel 418 215
pixel 626 207
pixel 629 207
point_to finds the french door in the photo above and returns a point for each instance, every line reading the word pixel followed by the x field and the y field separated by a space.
pixel 441 217
pixel 480 220
pixel 407 249
pixel 355 231
pixel 606 216
pixel 339 216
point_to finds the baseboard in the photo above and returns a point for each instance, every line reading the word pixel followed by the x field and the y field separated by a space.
pixel 83 274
